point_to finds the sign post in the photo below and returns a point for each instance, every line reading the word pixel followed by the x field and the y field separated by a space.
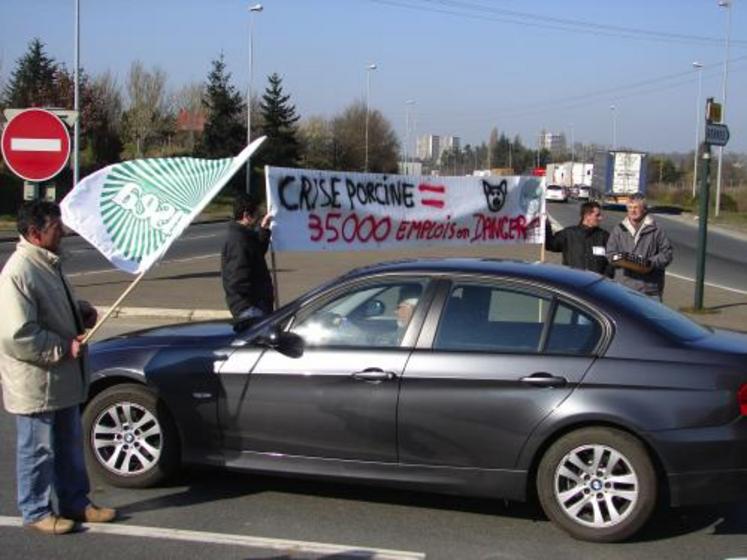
pixel 35 145
pixel 715 135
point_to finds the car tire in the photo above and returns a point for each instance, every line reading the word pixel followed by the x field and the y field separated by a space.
pixel 606 503
pixel 130 439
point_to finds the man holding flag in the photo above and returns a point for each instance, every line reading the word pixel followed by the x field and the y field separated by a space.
pixel 44 375
pixel 246 279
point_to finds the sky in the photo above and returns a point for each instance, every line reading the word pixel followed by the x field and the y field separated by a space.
pixel 468 65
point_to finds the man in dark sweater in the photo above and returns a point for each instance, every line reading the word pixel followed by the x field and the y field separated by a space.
pixel 246 279
pixel 583 246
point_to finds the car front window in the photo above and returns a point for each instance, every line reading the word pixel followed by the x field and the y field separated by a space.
pixel 371 316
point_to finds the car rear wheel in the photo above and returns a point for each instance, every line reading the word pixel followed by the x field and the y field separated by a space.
pixel 598 484
pixel 130 438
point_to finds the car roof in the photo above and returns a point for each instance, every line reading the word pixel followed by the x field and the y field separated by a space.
pixel 561 276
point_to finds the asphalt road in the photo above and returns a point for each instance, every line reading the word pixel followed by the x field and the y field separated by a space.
pixel 198 241
pixel 726 260
pixel 217 509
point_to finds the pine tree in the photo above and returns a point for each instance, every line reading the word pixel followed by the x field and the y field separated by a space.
pixel 279 119
pixel 33 82
pixel 225 132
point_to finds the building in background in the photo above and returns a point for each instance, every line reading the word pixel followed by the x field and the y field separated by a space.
pixel 554 143
pixel 430 146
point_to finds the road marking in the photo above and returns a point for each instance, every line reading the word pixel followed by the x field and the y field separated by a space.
pixel 710 284
pixel 187 259
pixel 36 144
pixel 285 545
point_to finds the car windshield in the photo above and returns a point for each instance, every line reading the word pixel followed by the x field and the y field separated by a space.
pixel 651 311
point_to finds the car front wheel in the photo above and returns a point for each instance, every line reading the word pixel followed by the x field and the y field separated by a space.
pixel 130 439
pixel 598 484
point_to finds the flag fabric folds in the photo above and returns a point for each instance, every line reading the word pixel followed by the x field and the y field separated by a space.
pixel 133 211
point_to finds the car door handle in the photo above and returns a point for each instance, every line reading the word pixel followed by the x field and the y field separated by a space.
pixel 374 374
pixel 543 379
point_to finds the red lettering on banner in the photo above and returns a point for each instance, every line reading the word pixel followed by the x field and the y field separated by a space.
pixel 489 228
pixel 349 228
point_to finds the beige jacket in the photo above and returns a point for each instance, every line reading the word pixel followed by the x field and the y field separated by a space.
pixel 37 324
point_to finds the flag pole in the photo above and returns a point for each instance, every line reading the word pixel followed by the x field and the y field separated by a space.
pixel 274 277
pixel 114 306
pixel 273 265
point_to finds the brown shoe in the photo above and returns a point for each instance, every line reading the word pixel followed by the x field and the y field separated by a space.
pixel 53 525
pixel 94 514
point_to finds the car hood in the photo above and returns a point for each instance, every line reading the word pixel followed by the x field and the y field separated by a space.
pixel 208 333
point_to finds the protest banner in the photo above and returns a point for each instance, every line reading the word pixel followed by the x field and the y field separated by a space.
pixel 336 211
pixel 132 212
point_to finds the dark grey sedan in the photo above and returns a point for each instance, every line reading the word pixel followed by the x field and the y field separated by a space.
pixel 488 378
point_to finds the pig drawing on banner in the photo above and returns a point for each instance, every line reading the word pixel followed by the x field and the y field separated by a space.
pixel 317 210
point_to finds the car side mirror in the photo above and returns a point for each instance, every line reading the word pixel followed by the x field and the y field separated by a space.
pixel 287 343
pixel 374 308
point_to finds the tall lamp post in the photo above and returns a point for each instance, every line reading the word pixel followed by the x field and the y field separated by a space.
pixel 614 127
pixel 370 68
pixel 573 148
pixel 256 8
pixel 723 4
pixel 76 96
pixel 408 105
pixel 699 69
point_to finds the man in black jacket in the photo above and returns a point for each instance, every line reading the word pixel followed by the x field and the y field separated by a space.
pixel 583 246
pixel 246 279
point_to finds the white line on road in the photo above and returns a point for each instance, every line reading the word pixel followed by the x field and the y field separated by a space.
pixel 285 545
pixel 36 144
pixel 711 284
pixel 187 259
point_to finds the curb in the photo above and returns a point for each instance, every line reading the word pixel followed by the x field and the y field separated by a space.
pixel 166 313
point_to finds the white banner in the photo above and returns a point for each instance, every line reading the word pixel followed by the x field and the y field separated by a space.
pixel 133 211
pixel 336 211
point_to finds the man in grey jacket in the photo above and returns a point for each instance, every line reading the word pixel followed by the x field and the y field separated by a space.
pixel 44 375
pixel 638 237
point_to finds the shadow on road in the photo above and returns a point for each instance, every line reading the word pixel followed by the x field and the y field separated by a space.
pixel 210 485
pixel 203 485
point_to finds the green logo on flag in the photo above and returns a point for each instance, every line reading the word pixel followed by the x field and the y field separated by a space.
pixel 144 202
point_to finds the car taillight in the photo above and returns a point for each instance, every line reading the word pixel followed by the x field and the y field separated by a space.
pixel 742 398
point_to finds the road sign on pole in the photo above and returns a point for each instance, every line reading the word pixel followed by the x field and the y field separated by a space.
pixel 716 134
pixel 35 144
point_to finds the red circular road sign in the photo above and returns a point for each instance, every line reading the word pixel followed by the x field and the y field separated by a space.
pixel 35 145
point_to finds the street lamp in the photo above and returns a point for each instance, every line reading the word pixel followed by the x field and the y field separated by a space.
pixel 408 104
pixel 573 148
pixel 252 10
pixel 370 68
pixel 614 128
pixel 699 68
pixel 76 96
pixel 723 4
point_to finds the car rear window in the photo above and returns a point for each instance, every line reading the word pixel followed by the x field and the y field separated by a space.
pixel 650 311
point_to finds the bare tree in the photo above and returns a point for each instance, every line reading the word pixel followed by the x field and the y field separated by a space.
pixel 349 140
pixel 315 134
pixel 148 105
pixel 187 102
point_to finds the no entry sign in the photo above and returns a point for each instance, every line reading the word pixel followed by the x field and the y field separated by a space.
pixel 35 145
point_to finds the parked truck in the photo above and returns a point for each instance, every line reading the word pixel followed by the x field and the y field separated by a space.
pixel 618 175
pixel 573 176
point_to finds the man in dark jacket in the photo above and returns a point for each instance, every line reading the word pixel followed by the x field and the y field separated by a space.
pixel 246 279
pixel 583 246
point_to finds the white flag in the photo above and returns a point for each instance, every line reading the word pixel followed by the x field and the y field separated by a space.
pixel 133 211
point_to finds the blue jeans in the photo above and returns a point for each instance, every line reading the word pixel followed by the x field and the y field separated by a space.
pixel 49 458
